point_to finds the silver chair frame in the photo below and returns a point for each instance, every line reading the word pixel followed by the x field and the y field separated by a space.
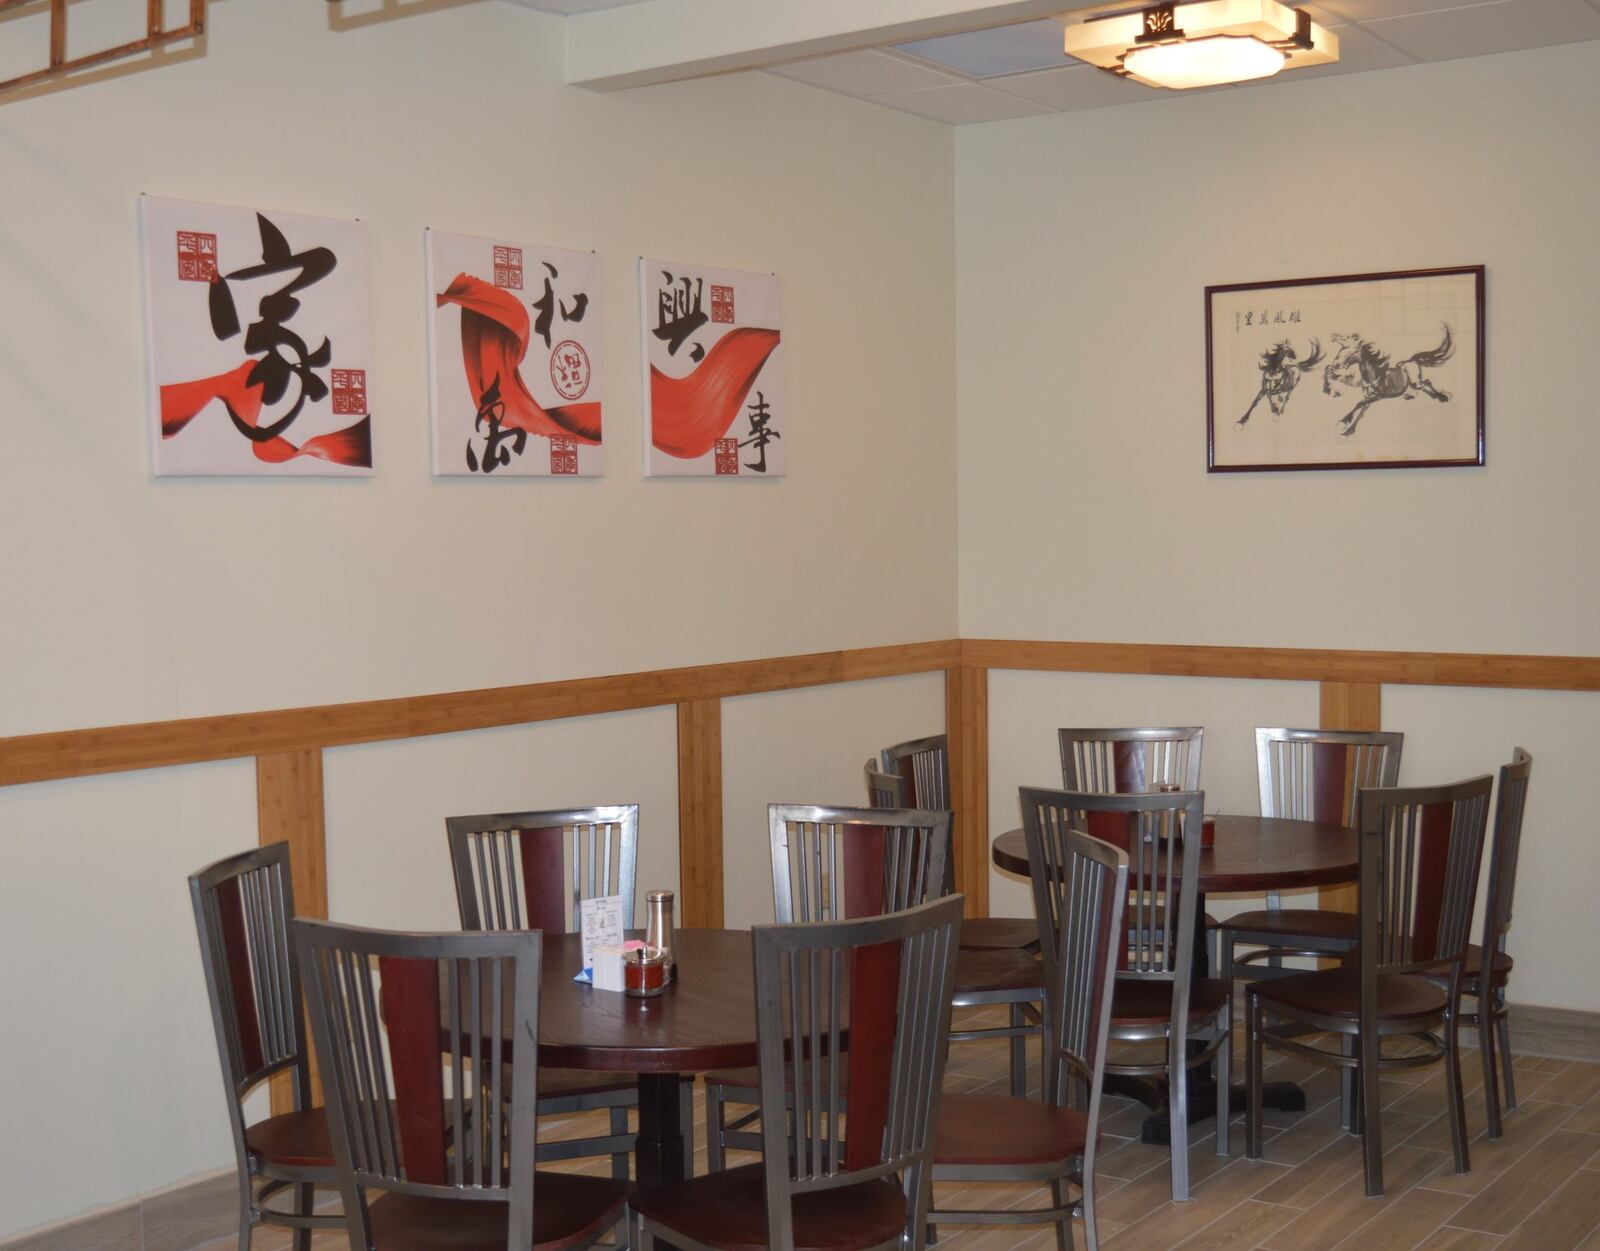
pixel 1170 756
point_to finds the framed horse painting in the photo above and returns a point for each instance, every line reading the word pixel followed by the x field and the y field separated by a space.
pixel 1364 371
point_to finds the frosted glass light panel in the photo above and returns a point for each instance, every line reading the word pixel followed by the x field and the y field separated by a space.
pixel 514 348
pixel 258 329
pixel 713 372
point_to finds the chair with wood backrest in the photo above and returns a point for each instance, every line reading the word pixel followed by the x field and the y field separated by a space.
pixel 998 967
pixel 1486 968
pixel 1421 848
pixel 441 1121
pixel 917 775
pixel 242 909
pixel 1156 998
pixel 831 864
pixel 876 992
pixel 1053 1139
pixel 1307 775
pixel 532 870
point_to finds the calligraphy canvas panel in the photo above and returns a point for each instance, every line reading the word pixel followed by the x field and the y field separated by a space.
pixel 713 371
pixel 514 352
pixel 258 330
pixel 1369 371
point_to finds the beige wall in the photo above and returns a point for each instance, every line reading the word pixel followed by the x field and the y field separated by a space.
pixel 1084 244
pixel 133 599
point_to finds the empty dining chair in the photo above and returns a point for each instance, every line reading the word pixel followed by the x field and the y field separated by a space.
pixel 1156 997
pixel 1486 968
pixel 831 864
pixel 1307 775
pixel 428 1046
pixel 532 870
pixel 1051 1140
pixel 1421 848
pixel 242 908
pixel 845 1009
pixel 893 784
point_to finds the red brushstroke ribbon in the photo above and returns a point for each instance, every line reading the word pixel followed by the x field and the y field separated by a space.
pixel 494 340
pixel 181 402
pixel 689 414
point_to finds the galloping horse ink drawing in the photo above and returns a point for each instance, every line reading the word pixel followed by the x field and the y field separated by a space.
pixel 1280 370
pixel 1359 364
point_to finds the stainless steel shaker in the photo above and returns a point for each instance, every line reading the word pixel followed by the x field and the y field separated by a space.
pixel 658 926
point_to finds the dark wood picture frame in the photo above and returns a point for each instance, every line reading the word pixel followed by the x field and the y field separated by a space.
pixel 1324 369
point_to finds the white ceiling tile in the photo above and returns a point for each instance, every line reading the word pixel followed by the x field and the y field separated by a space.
pixel 961 104
pixel 1364 10
pixel 1358 51
pixel 1076 87
pixel 999 50
pixel 1507 26
pixel 868 73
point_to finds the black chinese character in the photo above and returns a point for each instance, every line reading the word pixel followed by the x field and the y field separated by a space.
pixel 491 411
pixel 760 413
pixel 546 306
pixel 678 313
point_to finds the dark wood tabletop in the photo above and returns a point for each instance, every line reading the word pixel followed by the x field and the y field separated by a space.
pixel 705 1020
pixel 1251 854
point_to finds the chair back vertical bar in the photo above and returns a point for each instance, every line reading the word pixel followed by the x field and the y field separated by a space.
pixel 829 864
pixel 1510 801
pixel 532 870
pixel 1127 761
pixel 1316 775
pixel 884 790
pixel 923 765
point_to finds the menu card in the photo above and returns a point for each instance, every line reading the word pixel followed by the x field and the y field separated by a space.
pixel 600 924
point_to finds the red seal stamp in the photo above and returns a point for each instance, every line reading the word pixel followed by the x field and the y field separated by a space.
pixel 569 369
pixel 507 266
pixel 197 256
pixel 727 452
pixel 350 392
pixel 722 304
pixel 563 456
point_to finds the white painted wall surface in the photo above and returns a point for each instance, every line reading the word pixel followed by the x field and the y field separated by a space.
pixel 1084 244
pixel 135 599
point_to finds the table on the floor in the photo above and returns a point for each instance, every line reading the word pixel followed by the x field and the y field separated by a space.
pixel 1249 854
pixel 706 1019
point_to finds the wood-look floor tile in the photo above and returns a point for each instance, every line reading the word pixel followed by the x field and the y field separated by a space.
pixel 1243 1225
pixel 1403 1223
pixel 1169 1223
pixel 1586 1118
pixel 1528 1182
pixel 1576 1084
pixel 1449 1238
pixel 1491 1157
pixel 1564 1220
pixel 1346 1206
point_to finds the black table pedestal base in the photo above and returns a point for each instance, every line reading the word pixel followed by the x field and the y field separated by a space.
pixel 1157 1127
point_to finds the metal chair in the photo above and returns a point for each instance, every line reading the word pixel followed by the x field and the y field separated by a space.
pixel 887 789
pixel 849 1183
pixel 1486 967
pixel 1421 848
pixel 1156 998
pixel 242 909
pixel 830 864
pixel 1307 775
pixel 452 1152
pixel 1003 1138
pixel 532 870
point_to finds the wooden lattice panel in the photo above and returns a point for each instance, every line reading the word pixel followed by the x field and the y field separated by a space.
pixel 156 35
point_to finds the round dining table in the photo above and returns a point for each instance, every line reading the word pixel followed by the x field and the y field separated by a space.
pixel 705 1019
pixel 1248 854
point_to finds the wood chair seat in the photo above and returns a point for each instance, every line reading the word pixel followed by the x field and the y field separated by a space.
pixel 572 1210
pixel 1473 967
pixel 1312 922
pixel 293 1140
pixel 983 972
pixel 1337 993
pixel 1135 1001
pixel 1003 1130
pixel 751 1079
pixel 728 1210
pixel 998 933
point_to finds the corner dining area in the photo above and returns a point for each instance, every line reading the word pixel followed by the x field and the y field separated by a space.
pixel 998 523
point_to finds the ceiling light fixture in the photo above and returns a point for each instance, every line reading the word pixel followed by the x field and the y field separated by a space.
pixel 1202 44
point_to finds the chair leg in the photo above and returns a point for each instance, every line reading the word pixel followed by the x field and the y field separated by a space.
pixel 686 1119
pixel 619 1159
pixel 1503 1028
pixel 1491 1078
pixel 639 1238
pixel 1252 1077
pixel 305 1198
pixel 1091 1232
pixel 1371 1130
pixel 1458 1107
pixel 1019 1055
pixel 714 1128
pixel 1178 1117
pixel 1224 1078
pixel 247 1223
pixel 1058 1196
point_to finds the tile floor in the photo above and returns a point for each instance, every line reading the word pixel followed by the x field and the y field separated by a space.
pixel 1536 1189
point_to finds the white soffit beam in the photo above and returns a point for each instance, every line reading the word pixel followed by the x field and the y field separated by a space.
pixel 662 41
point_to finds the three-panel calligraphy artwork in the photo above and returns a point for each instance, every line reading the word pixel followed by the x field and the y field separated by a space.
pixel 260 353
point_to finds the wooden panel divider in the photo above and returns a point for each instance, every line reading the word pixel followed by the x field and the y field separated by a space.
pixel 1347 706
pixel 966 699
pixel 700 813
